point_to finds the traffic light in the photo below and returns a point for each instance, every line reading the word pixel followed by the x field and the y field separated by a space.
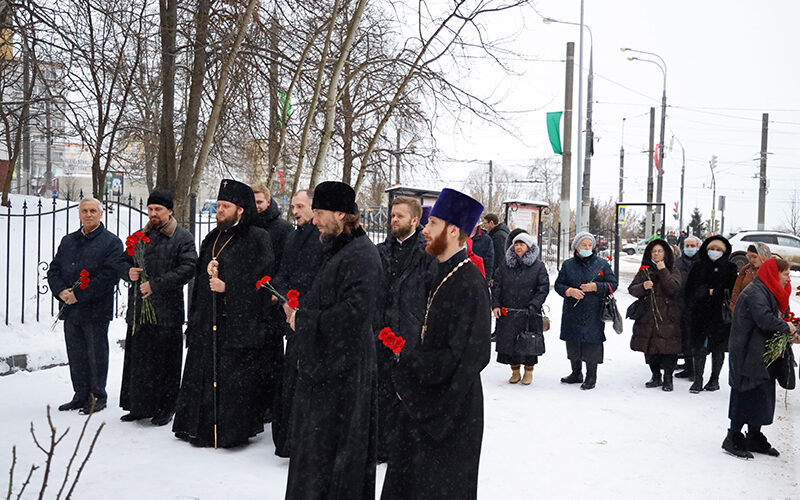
pixel 713 162
pixel 675 211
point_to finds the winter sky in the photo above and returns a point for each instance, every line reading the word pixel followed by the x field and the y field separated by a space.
pixel 727 63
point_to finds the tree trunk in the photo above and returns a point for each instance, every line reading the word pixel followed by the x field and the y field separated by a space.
pixel 190 136
pixel 333 92
pixel 347 133
pixel 168 13
pixel 274 122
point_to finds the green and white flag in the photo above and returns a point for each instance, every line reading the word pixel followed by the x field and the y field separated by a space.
pixel 554 130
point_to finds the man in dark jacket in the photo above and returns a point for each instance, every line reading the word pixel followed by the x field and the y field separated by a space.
pixel 269 218
pixel 498 231
pixel 438 384
pixel 151 374
pixel 334 412
pixel 87 309
pixel 407 272
pixel 303 257
pixel 483 247
pixel 684 264
pixel 223 393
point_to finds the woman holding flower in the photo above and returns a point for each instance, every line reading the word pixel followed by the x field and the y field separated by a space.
pixel 758 317
pixel 584 281
pixel 520 287
pixel 657 333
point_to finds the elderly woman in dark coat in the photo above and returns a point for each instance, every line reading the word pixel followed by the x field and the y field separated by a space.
pixel 657 333
pixel 757 317
pixel 520 287
pixel 708 290
pixel 584 281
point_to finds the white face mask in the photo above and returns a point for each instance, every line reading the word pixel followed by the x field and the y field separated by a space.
pixel 714 254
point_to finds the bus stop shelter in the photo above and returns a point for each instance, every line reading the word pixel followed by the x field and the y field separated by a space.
pixel 525 214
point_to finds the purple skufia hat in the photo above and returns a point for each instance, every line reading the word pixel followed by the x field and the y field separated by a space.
pixel 426 212
pixel 458 209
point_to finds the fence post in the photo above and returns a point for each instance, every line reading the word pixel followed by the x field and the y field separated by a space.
pixel 24 231
pixel 53 252
pixel 192 213
pixel 38 252
pixel 8 255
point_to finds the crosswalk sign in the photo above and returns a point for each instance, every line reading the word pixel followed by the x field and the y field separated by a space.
pixel 621 214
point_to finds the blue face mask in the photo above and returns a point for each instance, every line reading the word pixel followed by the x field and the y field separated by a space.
pixel 714 254
pixel 584 253
pixel 690 252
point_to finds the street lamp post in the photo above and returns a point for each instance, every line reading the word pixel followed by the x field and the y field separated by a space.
pixel 683 173
pixel 584 174
pixel 663 68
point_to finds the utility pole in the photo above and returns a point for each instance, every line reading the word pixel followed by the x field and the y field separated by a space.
pixel 491 185
pixel 566 155
pixel 713 165
pixel 661 148
pixel 621 162
pixel 683 173
pixel 762 178
pixel 648 223
pixel 587 159
pixel 579 176
pixel 722 216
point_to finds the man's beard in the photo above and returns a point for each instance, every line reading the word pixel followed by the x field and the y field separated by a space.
pixel 402 232
pixel 225 224
pixel 328 232
pixel 437 245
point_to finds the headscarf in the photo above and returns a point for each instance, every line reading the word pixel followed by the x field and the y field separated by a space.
pixel 769 275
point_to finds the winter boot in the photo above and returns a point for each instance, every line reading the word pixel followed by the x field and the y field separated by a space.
pixel 655 380
pixel 688 369
pixel 699 367
pixel 576 376
pixel 591 377
pixel 757 443
pixel 717 360
pixel 667 385
pixel 736 445
pixel 528 377
pixel 514 374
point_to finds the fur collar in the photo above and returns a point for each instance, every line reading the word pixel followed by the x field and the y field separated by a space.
pixel 528 258
pixel 167 229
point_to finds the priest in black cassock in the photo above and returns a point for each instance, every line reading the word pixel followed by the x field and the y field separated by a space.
pixel 440 416
pixel 335 408
pixel 223 392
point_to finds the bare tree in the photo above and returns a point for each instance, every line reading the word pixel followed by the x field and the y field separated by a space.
pixel 792 217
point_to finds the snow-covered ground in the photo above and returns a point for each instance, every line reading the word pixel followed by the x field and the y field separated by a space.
pixel 547 440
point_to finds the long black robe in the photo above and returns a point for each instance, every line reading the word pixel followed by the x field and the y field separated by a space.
pixel 440 417
pixel 334 413
pixel 241 332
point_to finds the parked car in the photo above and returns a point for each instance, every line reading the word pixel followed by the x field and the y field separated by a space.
pixel 209 207
pixel 635 247
pixel 602 243
pixel 784 245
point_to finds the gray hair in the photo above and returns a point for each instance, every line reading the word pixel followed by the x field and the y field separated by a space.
pixel 91 199
pixel 695 238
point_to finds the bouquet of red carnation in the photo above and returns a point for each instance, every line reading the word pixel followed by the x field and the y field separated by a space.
pixel 776 345
pixel 392 341
pixel 134 246
pixel 292 296
pixel 599 273
pixel 82 283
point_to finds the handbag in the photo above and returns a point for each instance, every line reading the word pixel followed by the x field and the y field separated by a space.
pixel 528 343
pixel 637 309
pixel 782 369
pixel 611 313
pixel 727 314
pixel 545 319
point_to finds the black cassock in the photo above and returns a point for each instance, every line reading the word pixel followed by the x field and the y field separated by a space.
pixel 440 417
pixel 334 412
pixel 241 334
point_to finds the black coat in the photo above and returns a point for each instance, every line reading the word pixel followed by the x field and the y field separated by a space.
pixel 755 320
pixel 708 329
pixel 334 427
pixel 499 235
pixel 519 284
pixel 101 254
pixel 242 328
pixel 440 417
pixel 170 261
pixel 278 229
pixel 584 322
pixel 483 247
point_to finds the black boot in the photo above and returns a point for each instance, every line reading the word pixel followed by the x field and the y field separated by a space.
pixel 699 368
pixel 667 385
pixel 576 376
pixel 736 445
pixel 688 369
pixel 757 443
pixel 591 377
pixel 717 360
pixel 655 380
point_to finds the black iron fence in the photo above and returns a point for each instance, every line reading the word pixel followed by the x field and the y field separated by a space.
pixel 34 228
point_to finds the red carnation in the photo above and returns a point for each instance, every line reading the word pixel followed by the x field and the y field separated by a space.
pixel 644 267
pixel 610 258
pixel 85 273
pixel 601 272
pixel 292 297
pixel 392 341
pixel 385 333
pixel 504 311
pixel 397 345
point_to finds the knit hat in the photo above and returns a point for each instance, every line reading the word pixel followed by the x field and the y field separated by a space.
pixel 335 196
pixel 580 237
pixel 525 238
pixel 457 209
pixel 161 197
